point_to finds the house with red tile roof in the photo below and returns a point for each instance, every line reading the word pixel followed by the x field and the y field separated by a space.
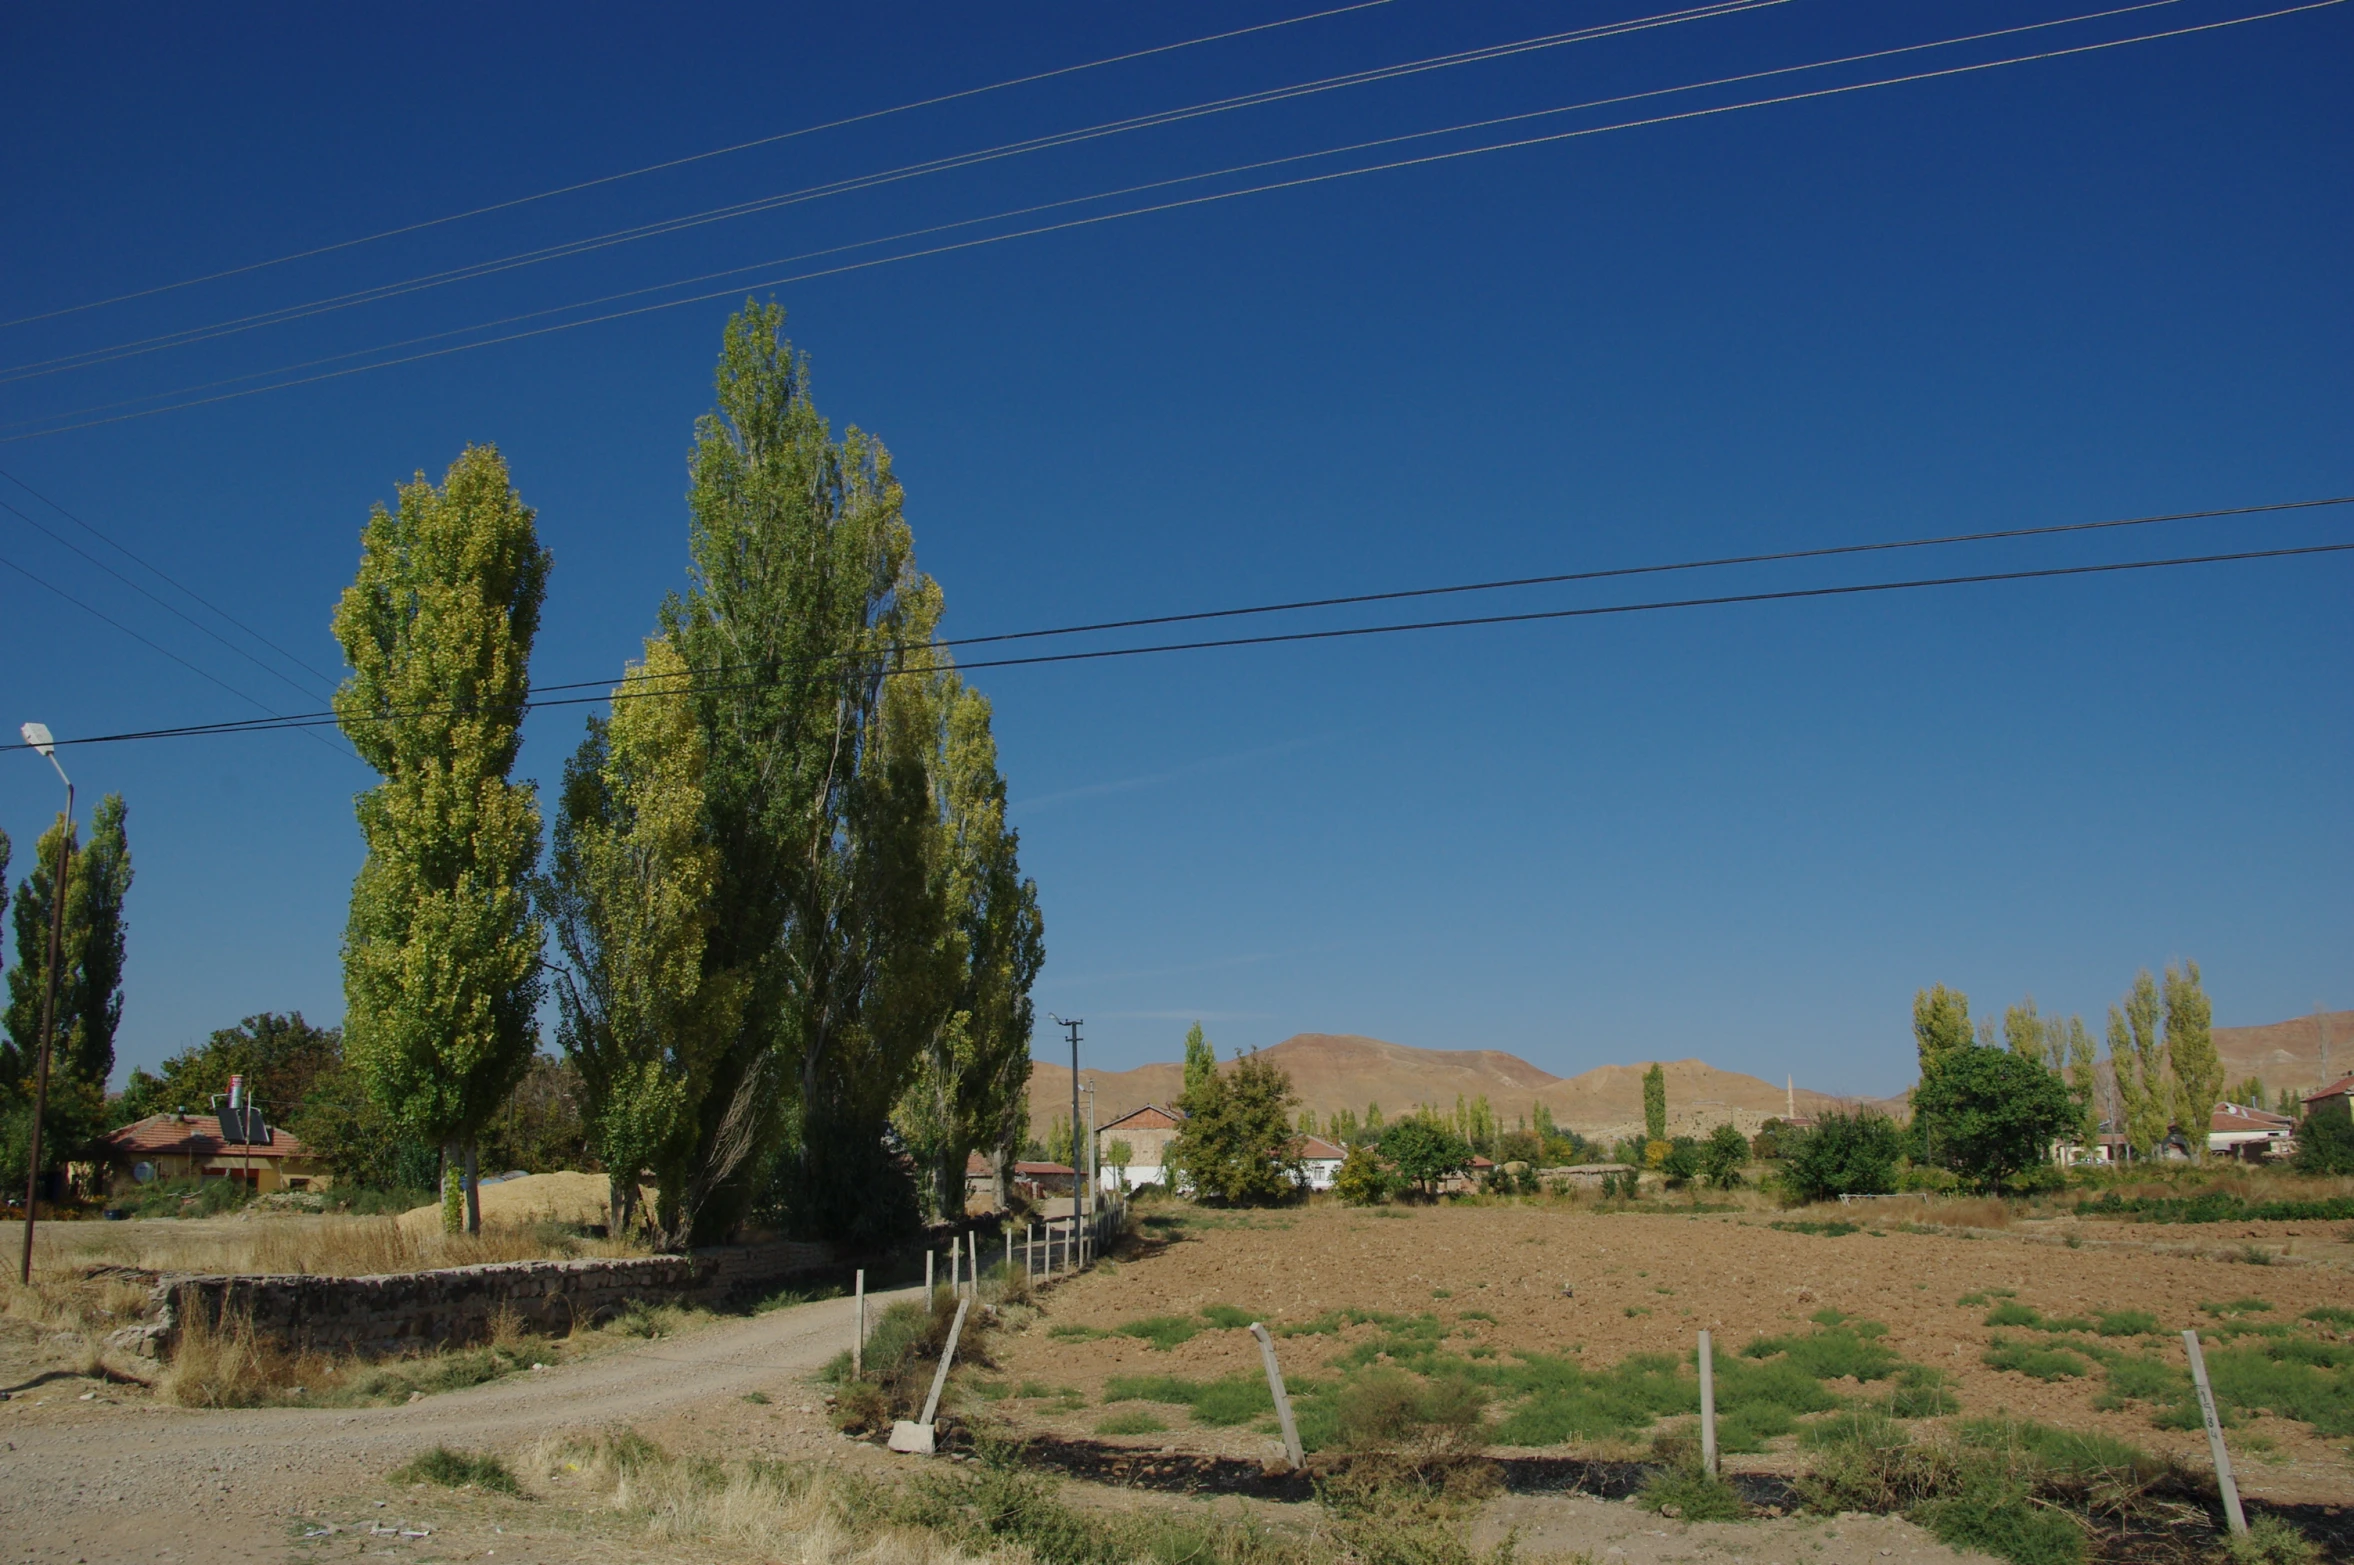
pixel 2250 1134
pixel 1147 1132
pixel 234 1144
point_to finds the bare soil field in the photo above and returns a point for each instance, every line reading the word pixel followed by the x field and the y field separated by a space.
pixel 1490 1285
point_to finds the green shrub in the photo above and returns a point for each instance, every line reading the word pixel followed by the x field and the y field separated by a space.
pixel 1833 1351
pixel 1835 1229
pixel 2013 1314
pixel 1692 1493
pixel 2271 1541
pixel 2237 1307
pixel 2330 1315
pixel 1921 1393
pixel 1226 1316
pixel 1845 1154
pixel 2126 1323
pixel 2325 1145
pixel 458 1470
pixel 1236 1399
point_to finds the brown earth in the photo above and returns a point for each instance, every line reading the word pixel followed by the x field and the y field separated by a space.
pixel 1561 1279
pixel 1333 1071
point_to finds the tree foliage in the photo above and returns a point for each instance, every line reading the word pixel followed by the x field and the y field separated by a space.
pixel 1237 1145
pixel 280 1055
pixel 2137 1063
pixel 1941 1026
pixel 90 978
pixel 1655 1104
pixel 1424 1151
pixel 1844 1154
pixel 441 954
pixel 2191 1056
pixel 2325 1142
pixel 1997 1114
pixel 1361 1180
pixel 1723 1156
pixel 1201 1060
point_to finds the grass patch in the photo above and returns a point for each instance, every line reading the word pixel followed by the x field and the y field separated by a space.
pixel 2127 1323
pixel 2038 1363
pixel 1692 1493
pixel 1072 1331
pixel 1162 1331
pixel 2241 1306
pixel 1226 1317
pixel 458 1470
pixel 1235 1399
pixel 1477 1315
pixel 1833 1228
pixel 1132 1421
pixel 2330 1315
pixel 1834 1350
pixel 2215 1206
pixel 1920 1392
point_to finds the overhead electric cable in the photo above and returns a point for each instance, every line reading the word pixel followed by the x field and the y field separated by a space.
pixel 280 315
pixel 66 543
pixel 698 157
pixel 272 724
pixel 537 700
pixel 162 575
pixel 1192 201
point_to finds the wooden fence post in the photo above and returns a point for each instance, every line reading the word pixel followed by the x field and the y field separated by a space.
pixel 2231 1491
pixel 1291 1431
pixel 1707 1406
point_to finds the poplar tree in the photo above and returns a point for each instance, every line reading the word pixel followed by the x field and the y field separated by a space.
pixel 2024 1033
pixel 2190 1054
pixel 628 896
pixel 971 1082
pixel 1654 1106
pixel 2137 1063
pixel 1941 1026
pixel 1201 1061
pixel 2083 1074
pixel 802 580
pixel 441 952
pixel 90 977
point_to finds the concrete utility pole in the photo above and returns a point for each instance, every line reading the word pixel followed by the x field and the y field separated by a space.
pixel 1072 1026
pixel 37 735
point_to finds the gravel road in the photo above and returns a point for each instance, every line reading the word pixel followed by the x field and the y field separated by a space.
pixel 109 1480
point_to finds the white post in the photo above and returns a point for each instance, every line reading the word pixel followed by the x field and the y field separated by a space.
pixel 1707 1406
pixel 2231 1491
pixel 1291 1431
pixel 917 1437
pixel 973 1272
pixel 955 1260
pixel 858 1343
pixel 1009 1257
pixel 928 1258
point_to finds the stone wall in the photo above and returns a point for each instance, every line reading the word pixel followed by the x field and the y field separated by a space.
pixel 414 1312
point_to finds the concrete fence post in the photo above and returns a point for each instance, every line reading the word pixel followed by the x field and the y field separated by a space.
pixel 858 1342
pixel 1707 1406
pixel 1291 1430
pixel 2231 1491
pixel 928 1259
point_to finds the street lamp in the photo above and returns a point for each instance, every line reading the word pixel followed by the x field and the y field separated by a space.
pixel 38 736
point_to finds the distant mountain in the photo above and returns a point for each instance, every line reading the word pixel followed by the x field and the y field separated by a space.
pixel 2288 1054
pixel 1333 1071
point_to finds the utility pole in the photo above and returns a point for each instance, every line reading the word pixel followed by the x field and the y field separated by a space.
pixel 1072 1025
pixel 37 735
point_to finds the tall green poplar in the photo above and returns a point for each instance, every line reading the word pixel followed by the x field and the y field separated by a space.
pixel 2074 1051
pixel 1941 1025
pixel 1201 1060
pixel 628 895
pixel 1655 1104
pixel 797 615
pixel 90 976
pixel 2191 1056
pixel 970 1087
pixel 2137 1064
pixel 441 953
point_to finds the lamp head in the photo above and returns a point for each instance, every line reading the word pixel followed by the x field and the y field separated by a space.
pixel 38 736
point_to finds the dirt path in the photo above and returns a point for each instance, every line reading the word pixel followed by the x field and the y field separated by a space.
pixel 127 1479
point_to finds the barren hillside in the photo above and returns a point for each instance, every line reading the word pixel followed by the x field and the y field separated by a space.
pixel 2288 1054
pixel 1334 1071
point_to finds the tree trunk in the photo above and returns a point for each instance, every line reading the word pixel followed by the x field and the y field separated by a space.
pixel 473 1189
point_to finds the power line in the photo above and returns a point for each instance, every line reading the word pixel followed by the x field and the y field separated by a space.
pixel 1783 595
pixel 1166 206
pixel 67 543
pixel 656 168
pixel 187 336
pixel 160 574
pixel 271 725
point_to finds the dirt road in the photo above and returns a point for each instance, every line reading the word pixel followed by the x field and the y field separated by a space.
pixel 127 1479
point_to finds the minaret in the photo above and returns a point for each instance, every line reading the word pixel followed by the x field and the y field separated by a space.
pixel 1790 1087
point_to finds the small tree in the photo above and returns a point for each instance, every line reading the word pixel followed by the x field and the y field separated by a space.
pixel 1237 1143
pixel 1997 1114
pixel 2325 1142
pixel 1845 1154
pixel 1423 1151
pixel 1655 1104
pixel 1723 1156
pixel 1119 1154
pixel 2190 1054
pixel 2138 1065
pixel 1361 1180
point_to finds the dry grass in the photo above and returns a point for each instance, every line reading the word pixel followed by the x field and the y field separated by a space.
pixel 1956 1212
pixel 296 1244
pixel 774 1512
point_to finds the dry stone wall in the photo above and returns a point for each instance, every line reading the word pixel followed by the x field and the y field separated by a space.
pixel 415 1312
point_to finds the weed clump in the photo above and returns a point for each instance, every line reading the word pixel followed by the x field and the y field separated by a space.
pixel 458 1470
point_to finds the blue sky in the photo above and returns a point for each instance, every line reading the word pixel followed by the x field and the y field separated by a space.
pixel 2103 285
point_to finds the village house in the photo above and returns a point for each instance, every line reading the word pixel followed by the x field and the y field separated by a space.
pixel 2336 1098
pixel 1032 1182
pixel 1320 1161
pixel 2249 1134
pixel 1147 1131
pixel 233 1144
